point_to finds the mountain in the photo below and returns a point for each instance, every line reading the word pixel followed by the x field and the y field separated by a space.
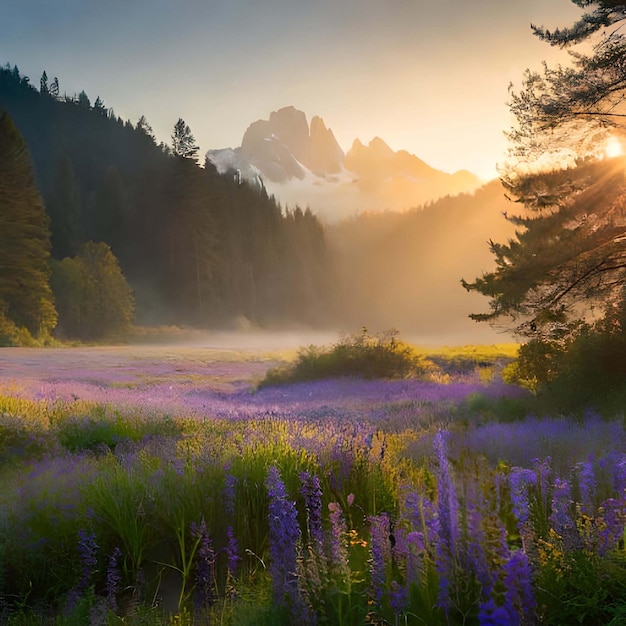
pixel 305 165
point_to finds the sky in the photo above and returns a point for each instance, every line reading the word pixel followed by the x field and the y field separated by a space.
pixel 428 77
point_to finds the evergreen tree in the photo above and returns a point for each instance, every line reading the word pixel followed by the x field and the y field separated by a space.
pixel 43 84
pixel 25 295
pixel 183 142
pixel 145 128
pixel 569 255
pixel 53 90
pixel 98 107
pixel 83 100
pixel 65 211
pixel 112 213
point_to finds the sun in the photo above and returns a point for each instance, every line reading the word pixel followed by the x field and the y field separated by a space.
pixel 613 147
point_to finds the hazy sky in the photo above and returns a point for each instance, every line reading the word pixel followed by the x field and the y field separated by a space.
pixel 428 77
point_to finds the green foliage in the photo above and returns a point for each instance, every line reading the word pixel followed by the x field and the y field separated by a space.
pixel 360 354
pixel 93 297
pixel 197 247
pixel 581 588
pixel 25 294
pixel 13 335
pixel 588 369
pixel 567 258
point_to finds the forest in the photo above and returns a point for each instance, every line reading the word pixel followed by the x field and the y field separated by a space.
pixel 195 247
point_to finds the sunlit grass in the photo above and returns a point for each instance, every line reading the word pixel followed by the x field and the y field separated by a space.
pixel 143 471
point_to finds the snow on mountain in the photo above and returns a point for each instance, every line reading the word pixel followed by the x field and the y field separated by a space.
pixel 304 165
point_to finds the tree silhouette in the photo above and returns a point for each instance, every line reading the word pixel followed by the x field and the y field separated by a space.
pixel 25 295
pixel 183 142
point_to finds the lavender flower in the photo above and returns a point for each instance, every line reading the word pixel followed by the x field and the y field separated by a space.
pixel 588 486
pixel 205 565
pixel 489 614
pixel 519 480
pixel 87 555
pixel 232 550
pixel 520 599
pixel 448 528
pixel 338 547
pixel 398 598
pixel 614 515
pixel 561 518
pixel 229 495
pixel 543 470
pixel 312 492
pixel 284 540
pixel 473 558
pixel 381 552
pixel 114 577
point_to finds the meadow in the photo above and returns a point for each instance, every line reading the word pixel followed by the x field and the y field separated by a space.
pixel 169 485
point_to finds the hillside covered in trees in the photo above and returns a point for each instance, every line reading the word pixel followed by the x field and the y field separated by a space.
pixel 195 247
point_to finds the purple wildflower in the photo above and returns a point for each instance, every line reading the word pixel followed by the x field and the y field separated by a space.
pixel 543 470
pixel 619 477
pixel 473 557
pixel 114 577
pixel 284 540
pixel 381 552
pixel 87 555
pixel 490 614
pixel 398 598
pixel 205 564
pixel 448 528
pixel 614 514
pixel 519 480
pixel 232 550
pixel 229 495
pixel 588 485
pixel 338 546
pixel 520 599
pixel 423 515
pixel 312 492
pixel 561 518
pixel 415 556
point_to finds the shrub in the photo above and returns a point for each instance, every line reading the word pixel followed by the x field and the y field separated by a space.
pixel 359 354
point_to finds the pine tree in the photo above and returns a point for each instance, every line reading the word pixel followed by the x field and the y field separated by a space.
pixel 183 142
pixel 25 294
pixel 569 254
pixel 65 211
pixel 43 84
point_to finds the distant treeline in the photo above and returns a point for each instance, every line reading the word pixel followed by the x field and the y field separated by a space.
pixel 196 247
pixel 202 248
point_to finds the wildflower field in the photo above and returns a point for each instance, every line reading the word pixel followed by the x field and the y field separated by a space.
pixel 163 485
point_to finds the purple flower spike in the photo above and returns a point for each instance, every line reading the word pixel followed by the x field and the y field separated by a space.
pixel 381 552
pixel 588 485
pixel 561 518
pixel 114 577
pixel 229 495
pixel 284 541
pixel 338 546
pixel 87 555
pixel 490 614
pixel 520 599
pixel 448 528
pixel 519 480
pixel 205 565
pixel 232 550
pixel 312 492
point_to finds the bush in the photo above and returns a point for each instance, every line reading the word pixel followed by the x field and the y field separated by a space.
pixel 13 335
pixel 360 354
